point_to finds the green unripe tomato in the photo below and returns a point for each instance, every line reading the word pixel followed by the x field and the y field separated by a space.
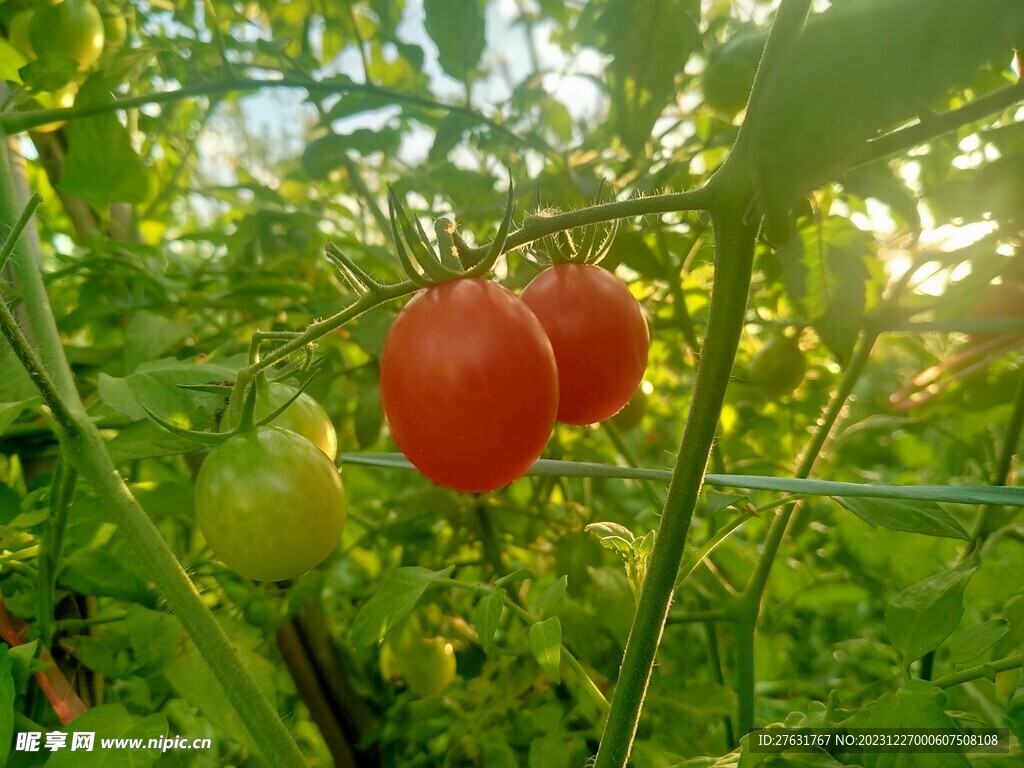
pixel 428 667
pixel 388 663
pixel 778 368
pixel 304 416
pixel 261 611
pixel 270 504
pixel 727 82
pixel 115 28
pixel 73 28
pixel 18 34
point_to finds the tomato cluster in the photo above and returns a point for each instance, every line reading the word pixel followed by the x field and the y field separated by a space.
pixel 473 378
pixel 75 29
pixel 472 381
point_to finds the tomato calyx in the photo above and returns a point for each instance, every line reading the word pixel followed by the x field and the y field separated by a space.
pixel 590 246
pixel 452 259
pixel 247 419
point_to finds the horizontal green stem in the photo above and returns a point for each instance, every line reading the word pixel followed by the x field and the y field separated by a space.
pixel 982 671
pixel 953 494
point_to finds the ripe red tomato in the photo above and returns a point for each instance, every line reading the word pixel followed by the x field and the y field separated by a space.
pixel 270 504
pixel 599 336
pixel 468 385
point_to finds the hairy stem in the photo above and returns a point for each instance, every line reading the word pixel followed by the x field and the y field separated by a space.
pixel 87 455
pixel 734 243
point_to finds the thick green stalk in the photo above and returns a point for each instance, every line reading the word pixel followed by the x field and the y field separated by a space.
pixel 24 269
pixel 734 248
pixel 86 453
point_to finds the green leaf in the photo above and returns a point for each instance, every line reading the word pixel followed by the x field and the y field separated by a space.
pixel 925 517
pixel 549 751
pixel 918 704
pixel 102 168
pixel 457 28
pixel 49 72
pixel 606 530
pixel 824 273
pixel 969 643
pixel 449 132
pixel 6 704
pixel 11 60
pixel 717 501
pixel 113 721
pixel 1013 612
pixel 857 68
pixel 650 42
pixel 920 617
pixel 148 335
pixel 9 412
pixel 157 385
pixel 368 417
pixel 327 153
pixel 488 612
pixel 546 645
pixel 1015 711
pixel 107 572
pixel 193 680
pixel 551 595
pixel 397 595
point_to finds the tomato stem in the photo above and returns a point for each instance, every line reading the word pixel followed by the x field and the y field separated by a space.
pixel 86 453
pixel 734 261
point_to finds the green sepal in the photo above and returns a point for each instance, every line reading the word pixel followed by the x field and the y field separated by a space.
pixel 497 246
pixel 204 438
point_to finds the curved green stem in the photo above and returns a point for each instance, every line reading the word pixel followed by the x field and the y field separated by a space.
pixel 86 453
pixel 734 257
pixel 52 546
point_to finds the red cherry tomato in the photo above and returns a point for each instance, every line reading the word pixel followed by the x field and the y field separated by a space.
pixel 599 336
pixel 469 385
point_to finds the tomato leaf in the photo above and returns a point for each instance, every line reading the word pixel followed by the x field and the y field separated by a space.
pixel 107 572
pixel 102 167
pixel 650 42
pixel 457 28
pixel 918 704
pixel 858 68
pixel 920 617
pixel 551 595
pixel 969 643
pixel 488 612
pixel 397 595
pixel 925 517
pixel 49 72
pixel 824 273
pixel 546 645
